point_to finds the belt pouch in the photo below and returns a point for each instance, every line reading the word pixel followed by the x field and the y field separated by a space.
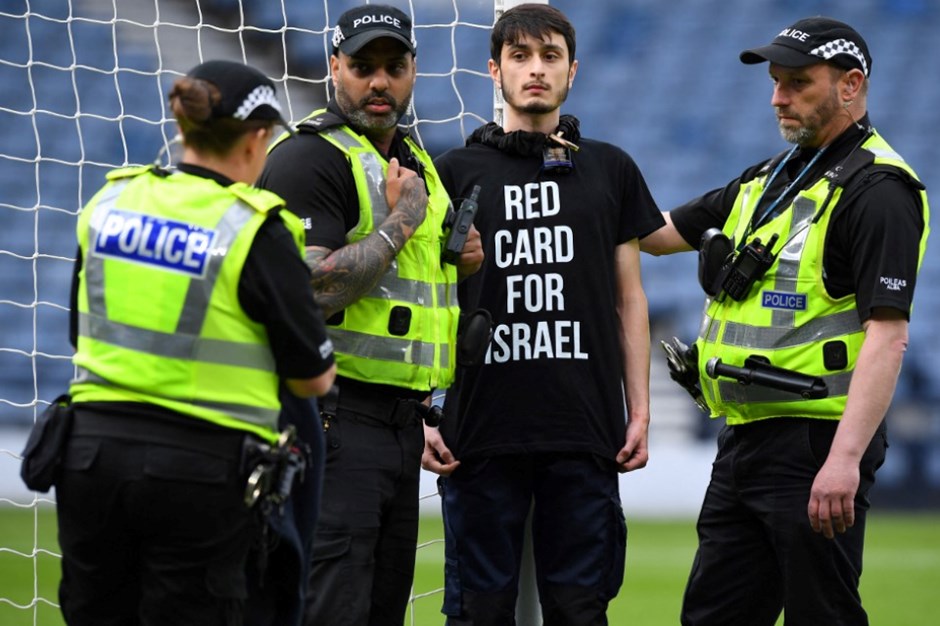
pixel 42 456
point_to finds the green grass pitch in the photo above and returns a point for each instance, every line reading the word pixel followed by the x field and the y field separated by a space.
pixel 899 584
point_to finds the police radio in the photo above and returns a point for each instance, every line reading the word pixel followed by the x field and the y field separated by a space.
pixel 747 267
pixel 459 223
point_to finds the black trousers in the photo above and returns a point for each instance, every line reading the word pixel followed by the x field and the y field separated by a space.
pixel 153 529
pixel 757 553
pixel 367 533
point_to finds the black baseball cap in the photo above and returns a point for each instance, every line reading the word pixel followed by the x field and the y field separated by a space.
pixel 814 40
pixel 246 93
pixel 357 27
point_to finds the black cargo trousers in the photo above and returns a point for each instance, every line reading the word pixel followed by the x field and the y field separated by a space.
pixel 364 547
pixel 152 522
pixel 757 552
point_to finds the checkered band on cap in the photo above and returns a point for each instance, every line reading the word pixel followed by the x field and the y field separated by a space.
pixel 840 46
pixel 260 95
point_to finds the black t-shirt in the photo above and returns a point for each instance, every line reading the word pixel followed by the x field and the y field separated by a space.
pixel 552 379
pixel 274 289
pixel 873 241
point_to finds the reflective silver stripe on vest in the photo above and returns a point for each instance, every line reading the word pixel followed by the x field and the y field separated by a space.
pixel 372 168
pixel 708 329
pixel 184 342
pixel 886 154
pixel 734 392
pixel 252 415
pixel 196 304
pixel 764 338
pixel 788 262
pixel 176 345
pixel 451 295
pixel 392 287
pixel 94 272
pixel 387 348
pixel 748 190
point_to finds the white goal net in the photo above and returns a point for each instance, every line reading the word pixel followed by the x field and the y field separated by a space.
pixel 83 89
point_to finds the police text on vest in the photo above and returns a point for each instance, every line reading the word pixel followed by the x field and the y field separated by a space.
pixel 169 244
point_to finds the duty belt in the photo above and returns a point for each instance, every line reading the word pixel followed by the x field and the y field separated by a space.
pixel 184 433
pixel 380 409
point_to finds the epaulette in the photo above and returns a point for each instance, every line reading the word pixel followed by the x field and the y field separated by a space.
pixel 765 169
pixel 128 172
pixel 320 122
pixel 855 178
pixel 845 170
pixel 261 199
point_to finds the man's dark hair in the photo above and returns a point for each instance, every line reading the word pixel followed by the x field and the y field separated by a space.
pixel 533 20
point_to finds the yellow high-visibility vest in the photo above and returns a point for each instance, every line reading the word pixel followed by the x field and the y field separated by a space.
pixel 788 317
pixel 403 332
pixel 193 349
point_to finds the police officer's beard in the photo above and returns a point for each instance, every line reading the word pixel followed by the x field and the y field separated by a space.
pixel 365 121
pixel 811 125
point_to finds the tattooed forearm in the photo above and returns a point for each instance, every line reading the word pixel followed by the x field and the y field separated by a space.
pixel 340 277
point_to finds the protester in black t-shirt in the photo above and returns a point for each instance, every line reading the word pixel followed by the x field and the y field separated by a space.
pixel 832 306
pixel 559 403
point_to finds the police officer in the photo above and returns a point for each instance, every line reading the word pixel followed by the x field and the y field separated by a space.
pixel 374 210
pixel 190 301
pixel 826 239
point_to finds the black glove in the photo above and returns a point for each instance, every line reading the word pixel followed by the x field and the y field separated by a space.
pixel 683 368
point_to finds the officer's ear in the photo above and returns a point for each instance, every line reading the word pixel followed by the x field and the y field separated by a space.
pixel 852 82
pixel 334 68
pixel 258 139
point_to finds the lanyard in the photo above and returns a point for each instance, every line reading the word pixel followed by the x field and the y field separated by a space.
pixel 773 205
